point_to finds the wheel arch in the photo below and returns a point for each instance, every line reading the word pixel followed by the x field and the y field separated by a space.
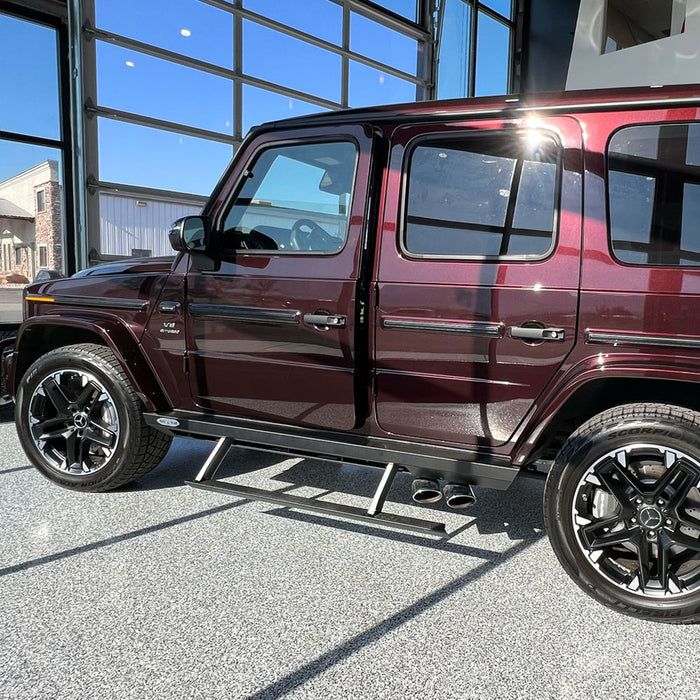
pixel 38 336
pixel 595 396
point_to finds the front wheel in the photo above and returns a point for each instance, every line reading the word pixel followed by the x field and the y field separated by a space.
pixel 622 510
pixel 80 421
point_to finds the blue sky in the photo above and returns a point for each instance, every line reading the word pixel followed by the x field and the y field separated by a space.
pixel 135 82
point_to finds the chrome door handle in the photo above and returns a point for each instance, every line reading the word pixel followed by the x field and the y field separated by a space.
pixel 326 320
pixel 169 307
pixel 556 335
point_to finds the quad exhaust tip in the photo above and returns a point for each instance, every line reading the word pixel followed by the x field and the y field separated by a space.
pixel 426 491
pixel 459 495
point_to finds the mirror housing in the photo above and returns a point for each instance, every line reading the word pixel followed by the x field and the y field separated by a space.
pixel 191 234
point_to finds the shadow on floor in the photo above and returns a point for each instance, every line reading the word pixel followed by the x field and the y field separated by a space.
pixel 186 457
pixel 516 512
pixel 7 413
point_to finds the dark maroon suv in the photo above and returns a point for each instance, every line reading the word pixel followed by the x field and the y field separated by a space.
pixel 462 290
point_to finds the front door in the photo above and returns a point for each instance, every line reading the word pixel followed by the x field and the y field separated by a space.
pixel 478 275
pixel 271 334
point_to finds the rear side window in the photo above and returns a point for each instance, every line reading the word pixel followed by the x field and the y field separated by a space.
pixel 482 196
pixel 654 195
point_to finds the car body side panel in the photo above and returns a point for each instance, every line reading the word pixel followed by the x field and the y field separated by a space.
pixel 472 387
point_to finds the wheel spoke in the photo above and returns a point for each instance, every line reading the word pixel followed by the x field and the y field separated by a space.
pixel 616 486
pixel 606 539
pixel 644 559
pixel 50 429
pixel 86 401
pixel 690 543
pixel 55 394
pixel 663 562
pixel 72 450
pixel 97 435
pixel 688 480
pixel 676 468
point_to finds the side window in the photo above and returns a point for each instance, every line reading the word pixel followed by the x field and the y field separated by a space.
pixel 482 196
pixel 294 198
pixel 654 194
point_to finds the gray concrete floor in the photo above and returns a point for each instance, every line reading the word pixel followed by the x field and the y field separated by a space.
pixel 159 590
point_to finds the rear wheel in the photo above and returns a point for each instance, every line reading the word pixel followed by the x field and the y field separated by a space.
pixel 622 510
pixel 81 423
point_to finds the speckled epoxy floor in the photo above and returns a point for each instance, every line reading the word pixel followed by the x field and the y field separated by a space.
pixel 163 591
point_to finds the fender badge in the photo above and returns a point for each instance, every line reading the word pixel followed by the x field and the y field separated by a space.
pixel 168 422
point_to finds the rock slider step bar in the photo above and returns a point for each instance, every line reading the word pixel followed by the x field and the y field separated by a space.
pixel 427 527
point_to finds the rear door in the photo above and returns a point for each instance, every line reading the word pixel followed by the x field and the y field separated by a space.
pixel 271 334
pixel 478 275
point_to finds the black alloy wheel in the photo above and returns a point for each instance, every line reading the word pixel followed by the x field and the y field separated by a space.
pixel 81 422
pixel 622 508
pixel 73 421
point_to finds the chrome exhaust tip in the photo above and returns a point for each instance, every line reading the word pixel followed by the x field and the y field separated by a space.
pixel 459 495
pixel 426 491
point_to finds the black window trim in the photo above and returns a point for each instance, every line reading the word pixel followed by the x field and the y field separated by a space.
pixel 626 244
pixel 477 133
pixel 250 164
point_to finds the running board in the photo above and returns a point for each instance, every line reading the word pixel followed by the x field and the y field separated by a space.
pixel 374 515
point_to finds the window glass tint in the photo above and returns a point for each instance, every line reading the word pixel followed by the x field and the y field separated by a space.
pixel 453 63
pixel 484 196
pixel 406 8
pixel 383 44
pixel 295 199
pixel 492 51
pixel 264 106
pixel 135 82
pixel 690 241
pixel 692 156
pixel 502 6
pixel 369 86
pixel 631 223
pixel 654 195
pixel 320 18
pixel 189 27
pixel 30 78
pixel 305 67
pixel 147 157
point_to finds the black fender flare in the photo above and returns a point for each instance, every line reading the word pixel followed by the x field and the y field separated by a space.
pixel 37 333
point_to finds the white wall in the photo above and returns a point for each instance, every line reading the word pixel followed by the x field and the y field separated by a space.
pixel 125 226
pixel 674 60
pixel 20 188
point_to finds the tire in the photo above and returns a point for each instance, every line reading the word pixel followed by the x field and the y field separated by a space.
pixel 81 423
pixel 622 510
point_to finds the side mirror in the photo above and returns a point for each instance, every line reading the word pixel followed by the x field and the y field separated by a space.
pixel 190 235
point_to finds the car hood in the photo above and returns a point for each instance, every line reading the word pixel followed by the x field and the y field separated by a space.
pixel 136 266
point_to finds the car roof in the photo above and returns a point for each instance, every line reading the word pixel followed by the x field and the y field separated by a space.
pixel 505 105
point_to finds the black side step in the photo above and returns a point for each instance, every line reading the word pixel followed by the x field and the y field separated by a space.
pixel 374 514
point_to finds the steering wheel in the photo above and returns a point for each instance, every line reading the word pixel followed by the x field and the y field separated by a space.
pixel 308 235
pixel 254 240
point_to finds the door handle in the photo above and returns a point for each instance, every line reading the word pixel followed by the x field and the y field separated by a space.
pixel 169 307
pixel 328 320
pixel 556 335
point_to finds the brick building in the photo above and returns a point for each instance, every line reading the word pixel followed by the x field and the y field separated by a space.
pixel 30 223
